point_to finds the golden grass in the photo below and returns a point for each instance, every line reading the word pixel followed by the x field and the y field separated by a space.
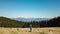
pixel 52 30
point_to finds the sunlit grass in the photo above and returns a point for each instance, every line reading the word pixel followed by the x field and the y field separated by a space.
pixel 13 32
pixel 51 30
pixel 43 33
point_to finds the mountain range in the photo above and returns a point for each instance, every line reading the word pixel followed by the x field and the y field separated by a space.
pixel 29 19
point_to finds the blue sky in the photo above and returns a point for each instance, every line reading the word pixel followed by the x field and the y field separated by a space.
pixel 30 8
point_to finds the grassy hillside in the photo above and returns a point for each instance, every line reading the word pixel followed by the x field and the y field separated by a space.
pixel 6 22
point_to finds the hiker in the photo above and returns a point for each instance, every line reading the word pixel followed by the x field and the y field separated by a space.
pixel 30 27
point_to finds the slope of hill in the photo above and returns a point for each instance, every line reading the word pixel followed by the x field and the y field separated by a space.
pixel 6 22
pixel 54 22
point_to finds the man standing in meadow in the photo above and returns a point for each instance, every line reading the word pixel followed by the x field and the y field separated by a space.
pixel 30 27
